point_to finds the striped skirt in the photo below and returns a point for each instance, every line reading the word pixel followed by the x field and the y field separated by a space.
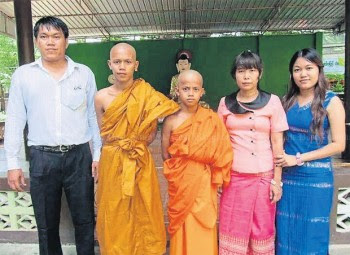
pixel 247 217
pixel 303 212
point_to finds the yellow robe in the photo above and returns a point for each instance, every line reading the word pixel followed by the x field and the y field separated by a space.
pixel 130 216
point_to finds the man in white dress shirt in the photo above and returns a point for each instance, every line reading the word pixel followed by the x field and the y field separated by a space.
pixel 55 96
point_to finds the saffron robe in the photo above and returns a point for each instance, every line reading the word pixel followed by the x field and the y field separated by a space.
pixel 130 216
pixel 201 159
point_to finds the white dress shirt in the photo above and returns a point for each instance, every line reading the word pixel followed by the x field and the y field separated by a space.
pixel 58 112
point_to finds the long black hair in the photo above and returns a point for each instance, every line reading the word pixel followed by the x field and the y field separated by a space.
pixel 318 112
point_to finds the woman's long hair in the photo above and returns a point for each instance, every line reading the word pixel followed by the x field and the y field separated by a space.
pixel 317 110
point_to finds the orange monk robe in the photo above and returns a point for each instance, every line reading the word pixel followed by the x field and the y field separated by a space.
pixel 201 158
pixel 130 216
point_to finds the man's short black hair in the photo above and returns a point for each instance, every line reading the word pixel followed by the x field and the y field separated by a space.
pixel 50 21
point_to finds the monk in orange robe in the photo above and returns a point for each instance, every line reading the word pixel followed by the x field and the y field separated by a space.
pixel 129 216
pixel 198 156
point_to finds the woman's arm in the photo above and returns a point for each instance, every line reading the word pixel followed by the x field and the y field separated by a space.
pixel 277 148
pixel 336 116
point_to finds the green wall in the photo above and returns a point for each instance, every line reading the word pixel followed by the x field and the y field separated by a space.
pixel 276 52
pixel 212 57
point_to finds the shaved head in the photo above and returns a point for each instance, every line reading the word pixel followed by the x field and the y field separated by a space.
pixel 122 61
pixel 192 75
pixel 125 47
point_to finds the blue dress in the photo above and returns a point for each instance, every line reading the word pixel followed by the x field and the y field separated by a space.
pixel 303 212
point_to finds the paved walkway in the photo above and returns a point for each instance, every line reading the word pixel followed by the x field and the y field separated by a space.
pixel 32 249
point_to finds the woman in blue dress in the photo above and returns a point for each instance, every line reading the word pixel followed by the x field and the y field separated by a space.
pixel 312 112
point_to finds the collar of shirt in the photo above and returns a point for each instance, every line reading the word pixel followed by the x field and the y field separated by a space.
pixel 236 107
pixel 71 66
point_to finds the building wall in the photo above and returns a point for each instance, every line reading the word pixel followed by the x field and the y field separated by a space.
pixel 212 57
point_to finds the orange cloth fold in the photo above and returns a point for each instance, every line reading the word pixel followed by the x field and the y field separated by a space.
pixel 130 215
pixel 201 159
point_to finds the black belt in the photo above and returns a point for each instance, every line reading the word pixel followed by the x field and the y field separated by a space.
pixel 58 148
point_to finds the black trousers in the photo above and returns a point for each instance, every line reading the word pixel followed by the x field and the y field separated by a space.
pixel 50 173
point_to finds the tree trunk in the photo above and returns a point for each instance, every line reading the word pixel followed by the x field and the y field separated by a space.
pixel 2 98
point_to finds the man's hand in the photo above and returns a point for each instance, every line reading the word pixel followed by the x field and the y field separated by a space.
pixel 15 179
pixel 94 167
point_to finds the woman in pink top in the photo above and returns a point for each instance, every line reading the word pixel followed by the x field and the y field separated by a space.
pixel 255 121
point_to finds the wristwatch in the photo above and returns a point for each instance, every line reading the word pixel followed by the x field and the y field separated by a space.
pixel 274 183
pixel 300 162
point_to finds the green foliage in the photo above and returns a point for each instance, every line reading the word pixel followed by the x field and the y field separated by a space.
pixel 292 32
pixel 8 60
pixel 2 116
pixel 115 38
pixel 336 81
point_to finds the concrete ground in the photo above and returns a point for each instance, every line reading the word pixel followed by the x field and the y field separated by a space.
pixel 32 249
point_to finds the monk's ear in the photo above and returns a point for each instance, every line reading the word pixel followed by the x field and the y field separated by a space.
pixel 177 90
pixel 136 65
pixel 203 92
pixel 109 64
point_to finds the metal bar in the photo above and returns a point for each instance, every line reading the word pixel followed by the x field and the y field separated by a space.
pixel 218 23
pixel 9 26
pixel 127 20
pixel 267 23
pixel 184 22
pixel 163 12
pixel 69 22
pixel 188 10
pixel 156 16
pixel 147 12
pixel 103 31
pixel 346 153
pixel 135 16
pixel 180 32
pixel 83 21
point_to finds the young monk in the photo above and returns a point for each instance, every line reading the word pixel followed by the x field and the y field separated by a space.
pixel 198 157
pixel 130 216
